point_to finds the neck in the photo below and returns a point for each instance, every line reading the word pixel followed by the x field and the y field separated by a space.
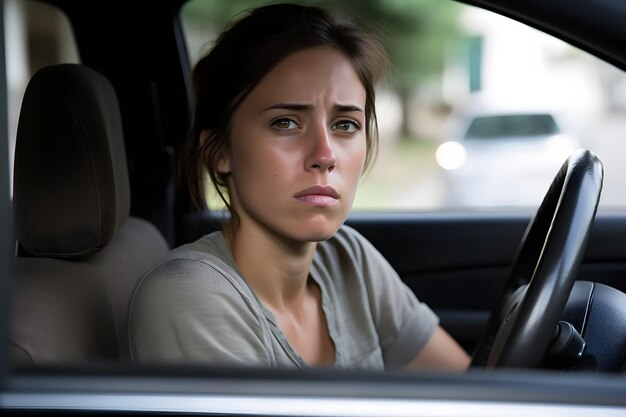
pixel 277 268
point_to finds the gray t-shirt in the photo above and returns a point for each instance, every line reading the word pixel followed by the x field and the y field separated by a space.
pixel 195 306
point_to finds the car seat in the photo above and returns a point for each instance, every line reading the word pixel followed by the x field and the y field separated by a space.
pixel 80 253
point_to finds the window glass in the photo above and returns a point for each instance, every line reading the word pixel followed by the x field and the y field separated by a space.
pixel 505 126
pixel 478 111
pixel 36 35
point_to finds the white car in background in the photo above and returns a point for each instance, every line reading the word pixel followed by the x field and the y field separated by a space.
pixel 502 158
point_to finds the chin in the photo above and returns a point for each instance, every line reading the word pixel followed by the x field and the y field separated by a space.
pixel 317 232
pixel 308 228
pixel 320 237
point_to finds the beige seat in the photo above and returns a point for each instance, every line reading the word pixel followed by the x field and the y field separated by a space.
pixel 80 253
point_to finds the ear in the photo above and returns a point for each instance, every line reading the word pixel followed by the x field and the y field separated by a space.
pixel 222 164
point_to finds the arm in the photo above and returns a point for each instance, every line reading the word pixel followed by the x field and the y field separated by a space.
pixel 441 352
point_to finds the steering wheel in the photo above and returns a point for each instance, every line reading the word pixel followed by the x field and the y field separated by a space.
pixel 523 323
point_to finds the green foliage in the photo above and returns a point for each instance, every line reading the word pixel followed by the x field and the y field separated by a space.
pixel 416 33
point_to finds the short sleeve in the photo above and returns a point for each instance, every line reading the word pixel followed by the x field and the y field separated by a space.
pixel 404 324
pixel 187 310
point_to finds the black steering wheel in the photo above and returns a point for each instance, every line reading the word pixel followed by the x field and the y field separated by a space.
pixel 522 325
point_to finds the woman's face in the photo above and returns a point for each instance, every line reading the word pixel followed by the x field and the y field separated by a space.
pixel 298 147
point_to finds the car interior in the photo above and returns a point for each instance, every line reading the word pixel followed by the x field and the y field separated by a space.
pixel 72 204
pixel 96 203
pixel 73 229
pixel 80 253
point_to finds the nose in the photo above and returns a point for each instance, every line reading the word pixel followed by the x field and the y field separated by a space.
pixel 321 155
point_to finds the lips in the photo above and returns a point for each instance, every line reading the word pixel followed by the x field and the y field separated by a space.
pixel 318 195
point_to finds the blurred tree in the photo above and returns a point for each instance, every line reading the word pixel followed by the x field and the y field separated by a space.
pixel 416 34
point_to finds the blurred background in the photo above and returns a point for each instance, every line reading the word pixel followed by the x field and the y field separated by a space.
pixel 477 113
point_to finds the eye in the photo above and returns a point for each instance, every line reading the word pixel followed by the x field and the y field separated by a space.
pixel 348 126
pixel 284 124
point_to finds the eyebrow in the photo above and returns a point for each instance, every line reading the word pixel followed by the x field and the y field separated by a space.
pixel 340 108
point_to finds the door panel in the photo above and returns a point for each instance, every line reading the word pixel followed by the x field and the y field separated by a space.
pixel 458 263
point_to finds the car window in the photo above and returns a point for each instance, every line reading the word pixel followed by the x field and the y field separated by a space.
pixel 464 74
pixel 511 126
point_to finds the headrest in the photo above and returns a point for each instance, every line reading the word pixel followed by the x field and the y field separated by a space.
pixel 71 189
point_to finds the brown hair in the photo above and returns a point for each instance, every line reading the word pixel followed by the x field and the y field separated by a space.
pixel 243 55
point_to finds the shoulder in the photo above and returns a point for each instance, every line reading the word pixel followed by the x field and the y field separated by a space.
pixel 193 305
pixel 206 258
pixel 199 270
pixel 207 249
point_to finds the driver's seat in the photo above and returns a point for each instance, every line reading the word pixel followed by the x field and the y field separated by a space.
pixel 80 253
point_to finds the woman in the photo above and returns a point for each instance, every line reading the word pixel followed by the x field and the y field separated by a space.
pixel 285 125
